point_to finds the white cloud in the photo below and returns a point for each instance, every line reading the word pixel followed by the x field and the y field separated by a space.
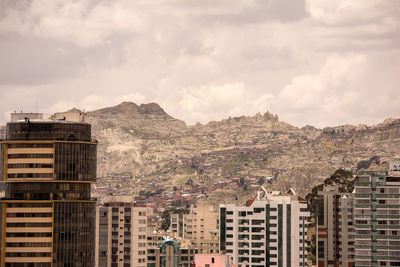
pixel 343 91
pixel 351 11
pixel 204 60
pixel 199 104
pixel 75 21
pixel 137 98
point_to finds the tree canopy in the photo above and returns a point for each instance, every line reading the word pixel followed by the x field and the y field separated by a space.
pixel 343 178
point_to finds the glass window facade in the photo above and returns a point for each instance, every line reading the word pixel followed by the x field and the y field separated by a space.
pixel 30 165
pixel 74 225
pixel 66 131
pixel 48 191
pixel 30 156
pixel 2 163
pixel 59 192
pixel 31 145
pixel 75 161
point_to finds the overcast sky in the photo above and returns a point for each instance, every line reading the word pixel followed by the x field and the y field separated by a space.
pixel 317 62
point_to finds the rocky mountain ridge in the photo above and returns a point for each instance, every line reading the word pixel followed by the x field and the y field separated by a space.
pixel 146 143
pixel 147 149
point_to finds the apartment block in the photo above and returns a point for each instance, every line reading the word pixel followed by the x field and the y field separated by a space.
pixel 199 225
pixel 269 230
pixel 377 217
pixel 334 226
pixel 120 233
pixel 361 228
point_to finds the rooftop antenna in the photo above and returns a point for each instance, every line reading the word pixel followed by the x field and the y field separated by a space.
pixel 37 107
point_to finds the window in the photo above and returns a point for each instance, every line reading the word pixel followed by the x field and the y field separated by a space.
pixel 258 210
pixel 242 213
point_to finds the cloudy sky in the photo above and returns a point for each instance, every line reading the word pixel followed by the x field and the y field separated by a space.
pixel 318 62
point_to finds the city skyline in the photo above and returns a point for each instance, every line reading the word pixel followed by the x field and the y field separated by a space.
pixel 310 62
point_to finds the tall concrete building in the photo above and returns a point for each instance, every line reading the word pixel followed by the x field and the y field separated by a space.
pixel 334 226
pixel 377 217
pixel 270 230
pixel 199 225
pixel 361 228
pixel 121 233
pixel 47 215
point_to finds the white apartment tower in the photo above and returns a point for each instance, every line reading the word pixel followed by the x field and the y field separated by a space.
pixel 361 229
pixel 271 230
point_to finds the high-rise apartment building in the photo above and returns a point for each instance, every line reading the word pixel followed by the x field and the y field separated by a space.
pixel 200 226
pixel 270 230
pixel 47 215
pixel 377 217
pixel 121 232
pixel 335 232
pixel 361 228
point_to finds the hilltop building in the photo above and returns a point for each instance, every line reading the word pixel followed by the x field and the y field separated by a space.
pixel 15 116
pixel 121 232
pixel 71 115
pixel 47 214
pixel 270 230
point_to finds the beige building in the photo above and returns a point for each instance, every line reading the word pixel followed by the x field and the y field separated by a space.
pixel 22 116
pixel 335 229
pixel 199 226
pixel 163 251
pixel 71 115
pixel 121 229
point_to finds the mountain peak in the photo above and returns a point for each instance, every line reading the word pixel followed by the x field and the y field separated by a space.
pixel 131 109
pixel 151 108
pixel 269 116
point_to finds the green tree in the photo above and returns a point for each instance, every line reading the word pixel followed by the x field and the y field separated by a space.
pixel 241 181
pixel 166 220
pixel 344 179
